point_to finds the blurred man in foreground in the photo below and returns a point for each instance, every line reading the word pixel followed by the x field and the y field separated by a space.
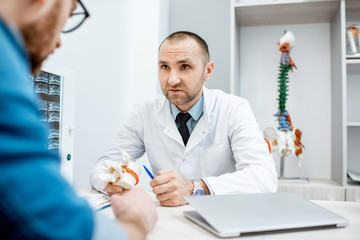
pixel 36 202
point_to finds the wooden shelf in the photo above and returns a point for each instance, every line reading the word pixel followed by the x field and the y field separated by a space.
pixel 315 189
pixel 352 192
pixel 353 185
pixel 353 65
pixel 353 61
pixel 271 12
pixel 353 124
pixel 322 189
pixel 319 182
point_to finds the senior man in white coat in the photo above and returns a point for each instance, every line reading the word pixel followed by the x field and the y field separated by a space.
pixel 198 141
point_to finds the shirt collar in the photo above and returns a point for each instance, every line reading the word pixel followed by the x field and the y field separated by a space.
pixel 195 111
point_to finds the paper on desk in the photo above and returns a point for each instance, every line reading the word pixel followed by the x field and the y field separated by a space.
pixel 96 200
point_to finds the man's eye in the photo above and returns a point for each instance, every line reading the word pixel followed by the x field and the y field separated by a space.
pixel 164 67
pixel 185 67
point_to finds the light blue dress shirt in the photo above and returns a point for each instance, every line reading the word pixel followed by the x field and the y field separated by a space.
pixel 195 111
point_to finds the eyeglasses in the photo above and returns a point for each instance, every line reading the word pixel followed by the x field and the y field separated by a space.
pixel 76 19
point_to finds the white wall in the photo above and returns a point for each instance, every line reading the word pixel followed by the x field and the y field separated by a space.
pixel 210 19
pixel 308 103
pixel 115 57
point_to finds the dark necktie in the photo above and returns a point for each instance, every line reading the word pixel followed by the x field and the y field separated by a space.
pixel 183 129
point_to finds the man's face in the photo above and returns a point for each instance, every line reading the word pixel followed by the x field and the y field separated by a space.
pixel 43 36
pixel 182 72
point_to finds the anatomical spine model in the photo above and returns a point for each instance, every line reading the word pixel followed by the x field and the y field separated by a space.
pixel 285 140
pixel 124 173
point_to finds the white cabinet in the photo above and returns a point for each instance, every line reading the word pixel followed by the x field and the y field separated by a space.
pixel 324 92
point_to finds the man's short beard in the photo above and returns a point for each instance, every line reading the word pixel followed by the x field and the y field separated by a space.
pixel 38 36
pixel 180 101
pixel 183 101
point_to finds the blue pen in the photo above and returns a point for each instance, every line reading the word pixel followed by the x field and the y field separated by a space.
pixel 148 172
pixel 104 207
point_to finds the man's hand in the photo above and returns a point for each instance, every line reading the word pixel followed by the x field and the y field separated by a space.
pixel 136 211
pixel 112 189
pixel 170 188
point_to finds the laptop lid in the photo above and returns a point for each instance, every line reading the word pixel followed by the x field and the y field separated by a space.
pixel 233 215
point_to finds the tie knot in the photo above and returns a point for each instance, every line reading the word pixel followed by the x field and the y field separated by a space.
pixel 183 118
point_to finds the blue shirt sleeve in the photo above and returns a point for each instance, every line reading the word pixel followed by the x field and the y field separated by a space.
pixel 105 228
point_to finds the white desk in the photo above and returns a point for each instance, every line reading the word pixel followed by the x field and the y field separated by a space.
pixel 173 225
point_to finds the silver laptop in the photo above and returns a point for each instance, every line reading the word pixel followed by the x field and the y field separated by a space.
pixel 233 215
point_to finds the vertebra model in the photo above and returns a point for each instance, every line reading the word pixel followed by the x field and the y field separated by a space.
pixel 285 140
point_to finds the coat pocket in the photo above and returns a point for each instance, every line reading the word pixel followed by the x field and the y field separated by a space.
pixel 217 159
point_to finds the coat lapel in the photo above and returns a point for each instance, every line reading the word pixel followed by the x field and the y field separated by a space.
pixel 198 134
pixel 168 122
pixel 202 127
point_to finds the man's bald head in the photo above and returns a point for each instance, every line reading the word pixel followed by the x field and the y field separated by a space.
pixel 183 35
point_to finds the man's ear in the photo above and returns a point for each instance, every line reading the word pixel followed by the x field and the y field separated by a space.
pixel 209 68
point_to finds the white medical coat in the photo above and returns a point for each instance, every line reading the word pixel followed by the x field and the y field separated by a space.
pixel 226 147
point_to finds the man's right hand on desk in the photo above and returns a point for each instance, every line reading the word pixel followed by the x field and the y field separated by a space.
pixel 136 211
pixel 170 188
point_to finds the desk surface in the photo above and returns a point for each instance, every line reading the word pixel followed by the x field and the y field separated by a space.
pixel 173 225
